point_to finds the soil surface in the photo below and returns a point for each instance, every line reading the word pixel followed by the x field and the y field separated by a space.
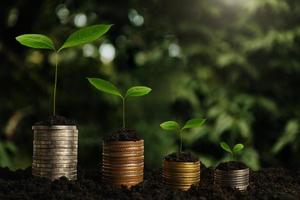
pixel 56 120
pixel 181 157
pixel 123 134
pixel 272 183
pixel 231 165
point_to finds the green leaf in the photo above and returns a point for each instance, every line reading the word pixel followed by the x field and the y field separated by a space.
pixel 226 147
pixel 194 123
pixel 36 41
pixel 85 35
pixel 105 86
pixel 137 91
pixel 238 147
pixel 170 126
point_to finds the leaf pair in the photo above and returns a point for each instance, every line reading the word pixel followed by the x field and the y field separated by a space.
pixel 174 126
pixel 107 87
pixel 82 36
pixel 236 148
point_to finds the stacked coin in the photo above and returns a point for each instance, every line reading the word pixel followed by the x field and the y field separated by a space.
pixel 123 162
pixel 181 175
pixel 55 151
pixel 238 179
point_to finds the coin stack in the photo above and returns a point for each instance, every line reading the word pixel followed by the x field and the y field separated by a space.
pixel 55 151
pixel 238 179
pixel 123 162
pixel 181 175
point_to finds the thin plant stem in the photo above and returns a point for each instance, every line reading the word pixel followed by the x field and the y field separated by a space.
pixel 180 133
pixel 55 84
pixel 123 102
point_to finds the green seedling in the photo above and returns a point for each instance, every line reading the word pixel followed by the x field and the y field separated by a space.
pixel 79 37
pixel 108 87
pixel 232 150
pixel 175 127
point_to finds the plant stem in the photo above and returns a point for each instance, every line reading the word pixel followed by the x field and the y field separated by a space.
pixel 123 102
pixel 180 149
pixel 55 84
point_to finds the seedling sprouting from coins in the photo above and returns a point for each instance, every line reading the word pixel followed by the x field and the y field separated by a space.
pixel 82 36
pixel 175 127
pixel 232 150
pixel 108 87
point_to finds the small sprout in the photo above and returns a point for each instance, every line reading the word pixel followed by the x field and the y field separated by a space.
pixel 108 87
pixel 236 148
pixel 82 36
pixel 174 126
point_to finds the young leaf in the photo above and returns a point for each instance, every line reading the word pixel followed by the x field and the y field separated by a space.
pixel 238 147
pixel 226 147
pixel 194 123
pixel 137 91
pixel 170 126
pixel 105 86
pixel 37 41
pixel 85 35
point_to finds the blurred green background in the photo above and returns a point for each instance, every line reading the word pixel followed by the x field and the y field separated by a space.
pixel 234 62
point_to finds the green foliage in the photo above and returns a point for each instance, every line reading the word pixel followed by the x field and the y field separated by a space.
pixel 290 136
pixel 108 87
pixel 85 35
pixel 137 91
pixel 226 147
pixel 170 126
pixel 241 67
pixel 193 123
pixel 82 36
pixel 7 148
pixel 232 150
pixel 36 41
pixel 105 86
pixel 174 126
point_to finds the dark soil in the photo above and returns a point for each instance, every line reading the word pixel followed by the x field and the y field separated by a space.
pixel 56 120
pixel 231 165
pixel 272 183
pixel 123 134
pixel 181 157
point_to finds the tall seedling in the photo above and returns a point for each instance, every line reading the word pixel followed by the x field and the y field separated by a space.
pixel 82 36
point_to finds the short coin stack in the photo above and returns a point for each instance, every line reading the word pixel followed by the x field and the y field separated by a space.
pixel 123 162
pixel 181 175
pixel 238 179
pixel 55 151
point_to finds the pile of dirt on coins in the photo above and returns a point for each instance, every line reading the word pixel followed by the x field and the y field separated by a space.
pixel 181 157
pixel 273 183
pixel 56 120
pixel 123 134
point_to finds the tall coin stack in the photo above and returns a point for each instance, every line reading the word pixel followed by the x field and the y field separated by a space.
pixel 181 175
pixel 123 162
pixel 55 151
